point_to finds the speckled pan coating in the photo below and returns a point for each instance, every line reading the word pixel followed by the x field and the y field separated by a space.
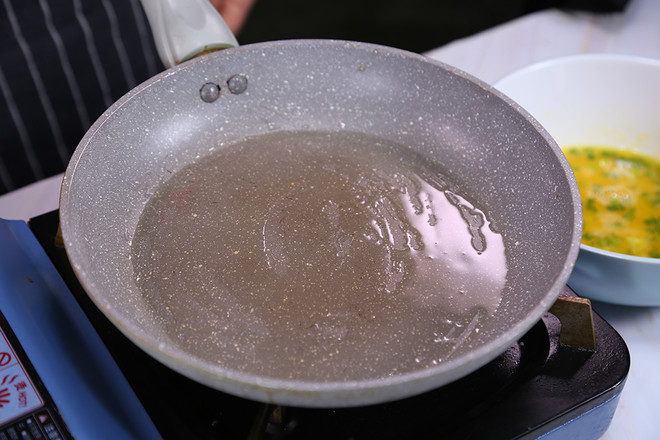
pixel 483 141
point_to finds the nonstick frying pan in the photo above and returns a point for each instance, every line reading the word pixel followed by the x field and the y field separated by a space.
pixel 503 161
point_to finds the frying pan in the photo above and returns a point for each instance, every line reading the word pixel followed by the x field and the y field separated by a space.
pixel 480 140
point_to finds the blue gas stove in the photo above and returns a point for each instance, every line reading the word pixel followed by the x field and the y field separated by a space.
pixel 66 372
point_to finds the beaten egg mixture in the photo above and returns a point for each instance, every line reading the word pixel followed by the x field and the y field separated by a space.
pixel 620 199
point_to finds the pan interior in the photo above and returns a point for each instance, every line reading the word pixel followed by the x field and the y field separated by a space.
pixel 317 256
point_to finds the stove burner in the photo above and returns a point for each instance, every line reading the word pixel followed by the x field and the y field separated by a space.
pixel 534 387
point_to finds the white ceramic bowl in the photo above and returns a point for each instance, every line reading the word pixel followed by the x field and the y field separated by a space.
pixel 599 100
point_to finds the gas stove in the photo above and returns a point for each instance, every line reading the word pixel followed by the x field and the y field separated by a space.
pixel 67 372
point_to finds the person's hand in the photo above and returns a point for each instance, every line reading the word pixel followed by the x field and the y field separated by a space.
pixel 234 12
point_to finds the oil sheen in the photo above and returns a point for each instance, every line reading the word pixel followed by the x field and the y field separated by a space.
pixel 325 256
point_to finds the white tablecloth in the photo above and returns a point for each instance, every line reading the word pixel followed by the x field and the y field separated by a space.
pixel 489 56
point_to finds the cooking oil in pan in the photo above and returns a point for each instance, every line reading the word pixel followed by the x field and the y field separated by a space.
pixel 317 256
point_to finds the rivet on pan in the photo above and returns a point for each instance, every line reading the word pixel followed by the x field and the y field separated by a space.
pixel 209 92
pixel 237 84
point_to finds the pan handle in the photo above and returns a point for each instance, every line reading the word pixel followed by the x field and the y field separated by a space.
pixel 183 29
